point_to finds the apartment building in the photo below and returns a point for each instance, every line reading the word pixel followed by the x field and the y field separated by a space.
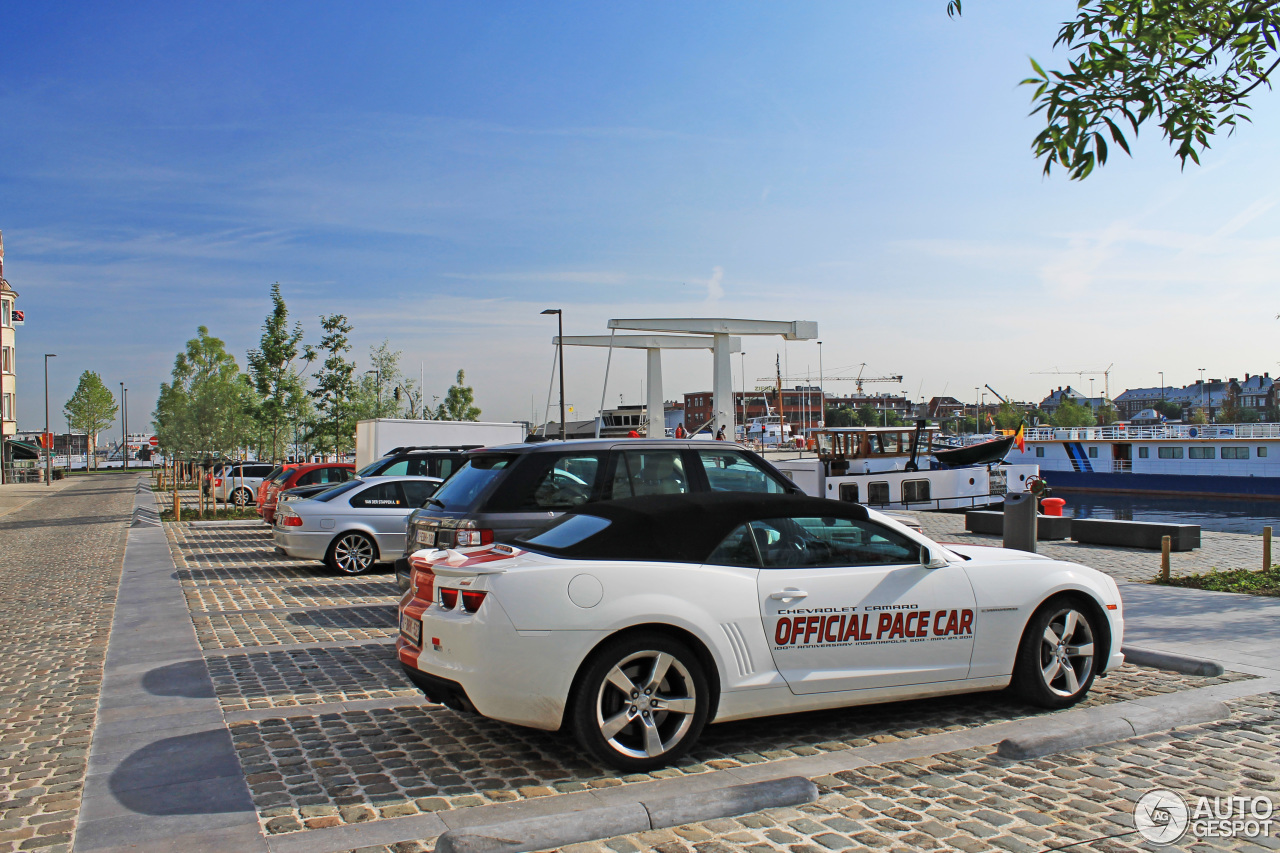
pixel 9 318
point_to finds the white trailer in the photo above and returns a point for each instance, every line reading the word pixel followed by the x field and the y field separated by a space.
pixel 376 438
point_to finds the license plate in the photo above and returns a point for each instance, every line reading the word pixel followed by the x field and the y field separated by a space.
pixel 411 629
pixel 426 537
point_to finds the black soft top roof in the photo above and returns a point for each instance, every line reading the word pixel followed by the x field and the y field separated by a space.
pixel 685 528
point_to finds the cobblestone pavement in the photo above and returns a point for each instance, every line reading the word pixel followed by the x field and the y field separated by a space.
pixel 277 679
pixel 336 624
pixel 973 801
pixel 58 577
pixel 1217 550
pixel 354 766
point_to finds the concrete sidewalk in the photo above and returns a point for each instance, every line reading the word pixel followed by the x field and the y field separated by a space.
pixel 1241 632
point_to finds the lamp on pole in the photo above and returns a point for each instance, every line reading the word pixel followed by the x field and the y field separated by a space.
pixel 560 357
pixel 1202 397
pixel 124 431
pixel 48 458
pixel 743 363
pixel 1162 392
pixel 377 384
pixel 822 391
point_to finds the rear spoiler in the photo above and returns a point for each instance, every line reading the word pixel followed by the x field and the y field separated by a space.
pixel 451 563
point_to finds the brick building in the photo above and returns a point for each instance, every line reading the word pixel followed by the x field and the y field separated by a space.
pixel 800 405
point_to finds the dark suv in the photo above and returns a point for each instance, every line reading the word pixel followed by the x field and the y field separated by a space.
pixel 505 492
pixel 440 462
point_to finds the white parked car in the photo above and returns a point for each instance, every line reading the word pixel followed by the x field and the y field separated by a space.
pixel 238 484
pixel 636 622
pixel 352 525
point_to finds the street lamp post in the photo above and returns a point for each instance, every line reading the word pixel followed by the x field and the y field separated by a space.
pixel 560 357
pixel 377 385
pixel 124 429
pixel 822 391
pixel 1202 396
pixel 48 458
pixel 743 363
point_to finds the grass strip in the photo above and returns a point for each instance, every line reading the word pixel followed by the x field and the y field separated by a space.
pixel 1266 582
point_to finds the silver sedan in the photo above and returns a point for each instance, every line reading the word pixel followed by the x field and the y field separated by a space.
pixel 353 525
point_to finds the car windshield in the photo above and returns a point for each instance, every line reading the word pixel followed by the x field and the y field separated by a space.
pixel 463 489
pixel 371 470
pixel 340 489
pixel 568 532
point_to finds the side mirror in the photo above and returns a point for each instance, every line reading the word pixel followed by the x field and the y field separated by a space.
pixel 931 559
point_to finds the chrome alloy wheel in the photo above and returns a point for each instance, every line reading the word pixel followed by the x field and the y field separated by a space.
pixel 242 498
pixel 1066 652
pixel 646 704
pixel 353 553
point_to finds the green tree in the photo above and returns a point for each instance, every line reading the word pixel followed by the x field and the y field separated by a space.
pixel 274 377
pixel 335 383
pixel 1072 414
pixel 1107 415
pixel 387 392
pixel 1008 416
pixel 867 415
pixel 1189 65
pixel 1171 410
pixel 459 402
pixel 91 408
pixel 1200 416
pixel 202 410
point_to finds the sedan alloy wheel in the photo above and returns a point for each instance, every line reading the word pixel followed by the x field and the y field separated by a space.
pixel 352 554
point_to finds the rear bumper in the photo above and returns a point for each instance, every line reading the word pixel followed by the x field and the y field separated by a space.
pixel 302 545
pixel 481 660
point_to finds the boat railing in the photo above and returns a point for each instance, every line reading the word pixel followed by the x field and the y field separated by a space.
pixel 1162 431
pixel 1121 466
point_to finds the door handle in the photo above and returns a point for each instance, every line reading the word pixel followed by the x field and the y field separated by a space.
pixel 789 594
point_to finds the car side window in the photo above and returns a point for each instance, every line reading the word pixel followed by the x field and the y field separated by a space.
pixel 418 466
pixel 395 469
pixel 791 543
pixel 732 471
pixel 381 496
pixel 569 481
pixel 447 467
pixel 737 549
pixel 649 472
pixel 308 478
pixel 416 492
pixel 334 475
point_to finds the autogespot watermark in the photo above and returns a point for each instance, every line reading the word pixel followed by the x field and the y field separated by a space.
pixel 1164 817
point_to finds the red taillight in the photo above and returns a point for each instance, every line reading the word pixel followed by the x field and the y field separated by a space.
pixel 472 599
pixel 218 482
pixel 423 580
pixel 449 598
pixel 292 521
pixel 465 538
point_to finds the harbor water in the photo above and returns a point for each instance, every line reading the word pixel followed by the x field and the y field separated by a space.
pixel 1217 514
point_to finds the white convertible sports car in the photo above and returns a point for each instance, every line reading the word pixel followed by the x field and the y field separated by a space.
pixel 635 622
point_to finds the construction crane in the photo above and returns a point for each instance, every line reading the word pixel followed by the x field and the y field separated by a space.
pixel 1105 374
pixel 997 393
pixel 860 379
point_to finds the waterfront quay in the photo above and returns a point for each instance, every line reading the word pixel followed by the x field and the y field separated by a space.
pixel 181 686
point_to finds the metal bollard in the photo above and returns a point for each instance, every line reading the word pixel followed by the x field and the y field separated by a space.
pixel 1266 548
pixel 1166 545
pixel 1020 521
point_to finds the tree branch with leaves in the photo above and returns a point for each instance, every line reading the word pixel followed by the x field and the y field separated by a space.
pixel 1188 65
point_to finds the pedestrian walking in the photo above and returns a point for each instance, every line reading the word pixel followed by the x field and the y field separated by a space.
pixel 680 433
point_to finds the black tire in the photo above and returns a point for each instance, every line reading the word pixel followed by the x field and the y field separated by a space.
pixel 653 732
pixel 352 553
pixel 242 498
pixel 1057 658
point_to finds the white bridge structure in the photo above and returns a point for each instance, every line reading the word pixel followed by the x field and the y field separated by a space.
pixel 722 335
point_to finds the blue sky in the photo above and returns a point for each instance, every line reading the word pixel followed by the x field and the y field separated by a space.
pixel 442 172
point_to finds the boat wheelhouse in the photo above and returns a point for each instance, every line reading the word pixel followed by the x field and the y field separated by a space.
pixel 1220 460
pixel 895 468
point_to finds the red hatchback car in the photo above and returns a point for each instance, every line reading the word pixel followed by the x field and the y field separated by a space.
pixel 304 475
